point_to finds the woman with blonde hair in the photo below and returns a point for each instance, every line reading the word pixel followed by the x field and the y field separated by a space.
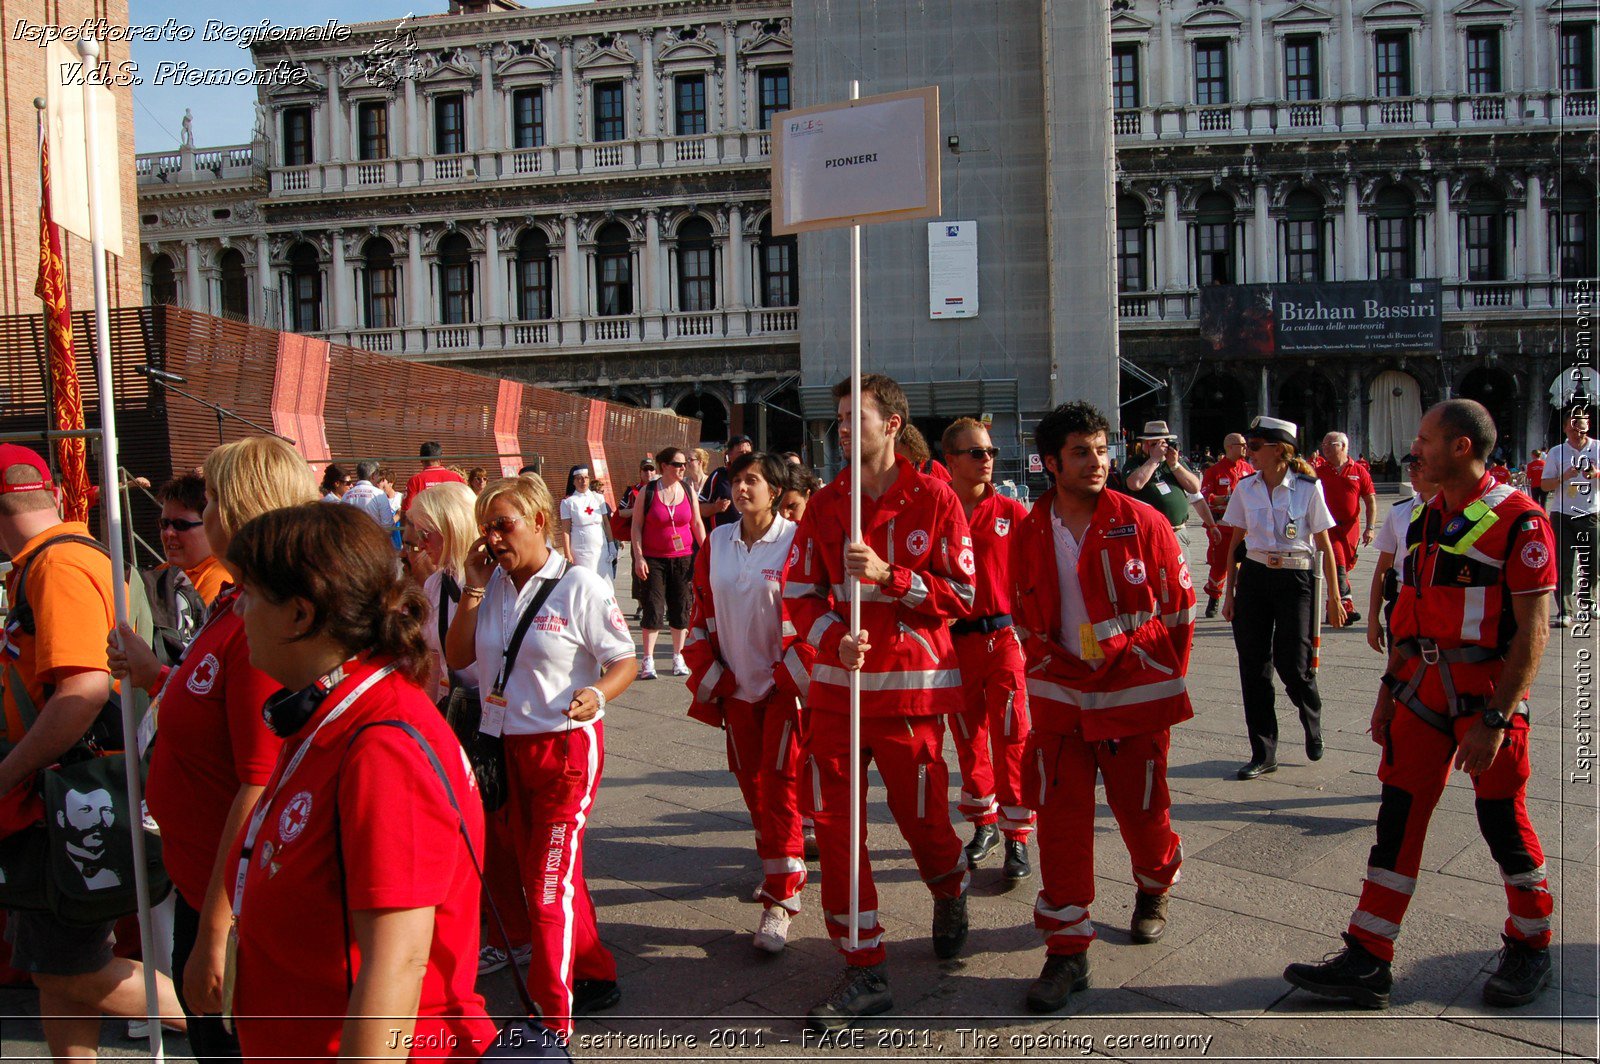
pixel 552 649
pixel 214 752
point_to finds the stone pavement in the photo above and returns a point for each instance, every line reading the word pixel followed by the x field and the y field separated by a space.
pixel 1272 869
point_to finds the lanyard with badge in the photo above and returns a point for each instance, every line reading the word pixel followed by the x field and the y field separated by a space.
pixel 494 703
pixel 1291 527
pixel 231 958
pixel 672 517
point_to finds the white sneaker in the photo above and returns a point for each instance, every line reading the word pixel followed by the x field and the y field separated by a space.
pixel 522 956
pixel 647 669
pixel 138 1030
pixel 679 666
pixel 491 959
pixel 773 933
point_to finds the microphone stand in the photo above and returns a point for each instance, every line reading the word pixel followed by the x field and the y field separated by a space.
pixel 222 412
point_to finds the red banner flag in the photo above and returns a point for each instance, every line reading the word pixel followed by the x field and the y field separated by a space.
pixel 68 397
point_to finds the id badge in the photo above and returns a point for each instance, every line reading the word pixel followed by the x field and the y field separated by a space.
pixel 147 728
pixel 1088 644
pixel 230 972
pixel 1163 488
pixel 677 541
pixel 493 720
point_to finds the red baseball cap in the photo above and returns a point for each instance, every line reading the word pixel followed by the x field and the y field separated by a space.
pixel 12 454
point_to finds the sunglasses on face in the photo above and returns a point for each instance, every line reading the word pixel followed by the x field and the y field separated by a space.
pixel 500 526
pixel 177 524
pixel 412 548
pixel 978 454
pixel 676 465
pixel 1256 445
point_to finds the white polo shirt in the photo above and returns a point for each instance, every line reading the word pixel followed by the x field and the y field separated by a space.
pixel 431 589
pixel 1575 496
pixel 1391 537
pixel 578 633
pixel 1264 514
pixel 747 590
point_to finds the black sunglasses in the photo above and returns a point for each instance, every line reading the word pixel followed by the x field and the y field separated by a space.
pixel 676 465
pixel 177 524
pixel 979 453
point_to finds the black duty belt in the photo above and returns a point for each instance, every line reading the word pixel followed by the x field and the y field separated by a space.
pixel 995 622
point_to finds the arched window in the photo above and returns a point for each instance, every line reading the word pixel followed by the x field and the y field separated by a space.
pixel 613 269
pixel 163 281
pixel 305 289
pixel 533 275
pixel 235 289
pixel 455 280
pixel 1483 233
pixel 381 289
pixel 1574 242
pixel 1394 234
pixel 1133 267
pixel 697 281
pixel 1213 239
pixel 1302 237
pixel 780 279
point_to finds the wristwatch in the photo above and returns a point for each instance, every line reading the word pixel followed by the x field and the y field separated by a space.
pixel 1493 718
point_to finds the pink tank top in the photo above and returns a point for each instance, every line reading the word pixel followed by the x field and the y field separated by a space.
pixel 669 530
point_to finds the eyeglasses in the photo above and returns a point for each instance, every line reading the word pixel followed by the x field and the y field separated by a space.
pixel 676 465
pixel 500 526
pixel 177 524
pixel 978 454
pixel 412 548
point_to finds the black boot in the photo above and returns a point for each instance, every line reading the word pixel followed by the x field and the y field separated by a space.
pixel 984 840
pixel 1211 606
pixel 593 995
pixel 1016 866
pixel 861 992
pixel 1149 917
pixel 1064 974
pixel 1352 975
pixel 1522 974
pixel 949 925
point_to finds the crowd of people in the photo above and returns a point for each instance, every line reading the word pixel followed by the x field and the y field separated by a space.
pixel 378 715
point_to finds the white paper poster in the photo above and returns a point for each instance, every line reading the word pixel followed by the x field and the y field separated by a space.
pixel 952 269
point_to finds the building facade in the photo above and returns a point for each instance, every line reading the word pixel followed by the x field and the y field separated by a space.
pixel 575 197
pixel 579 197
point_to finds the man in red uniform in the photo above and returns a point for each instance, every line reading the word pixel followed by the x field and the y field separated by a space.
pixel 1105 608
pixel 916 569
pixel 1217 486
pixel 993 729
pixel 1499 472
pixel 1468 631
pixel 1347 487
pixel 433 472
pixel 1535 472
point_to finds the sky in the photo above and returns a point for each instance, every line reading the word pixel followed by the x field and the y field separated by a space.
pixel 225 115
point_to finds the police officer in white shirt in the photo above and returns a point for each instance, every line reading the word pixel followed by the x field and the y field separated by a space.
pixel 1283 521
pixel 1569 477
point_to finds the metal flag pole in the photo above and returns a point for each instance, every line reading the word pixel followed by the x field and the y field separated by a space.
pixel 856 770
pixel 111 499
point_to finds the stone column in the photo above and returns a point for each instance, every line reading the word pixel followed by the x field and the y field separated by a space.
pixel 650 290
pixel 1532 37
pixel 730 74
pixel 266 291
pixel 658 397
pixel 1354 247
pixel 195 296
pixel 648 86
pixel 1442 78
pixel 341 281
pixel 416 277
pixel 1265 264
pixel 736 258
pixel 336 116
pixel 494 277
pixel 573 296
pixel 1168 63
pixel 1258 62
pixel 1444 230
pixel 413 119
pixel 1264 392
pixel 1538 265
pixel 1350 79
pixel 1355 424
pixel 1177 251
pixel 489 138
pixel 569 101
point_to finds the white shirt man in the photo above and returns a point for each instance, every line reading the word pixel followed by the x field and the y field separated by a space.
pixel 367 496
pixel 1569 476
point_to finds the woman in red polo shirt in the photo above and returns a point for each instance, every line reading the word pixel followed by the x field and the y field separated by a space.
pixel 214 752
pixel 355 899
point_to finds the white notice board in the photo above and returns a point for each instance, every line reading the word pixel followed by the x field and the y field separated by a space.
pixel 856 162
pixel 952 269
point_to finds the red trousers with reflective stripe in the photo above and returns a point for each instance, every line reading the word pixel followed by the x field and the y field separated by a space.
pixel 909 753
pixel 1059 778
pixel 991 731
pixel 551 780
pixel 1417 761
pixel 764 756
pixel 502 882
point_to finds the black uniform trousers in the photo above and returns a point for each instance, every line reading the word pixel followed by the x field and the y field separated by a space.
pixel 1272 613
pixel 1575 557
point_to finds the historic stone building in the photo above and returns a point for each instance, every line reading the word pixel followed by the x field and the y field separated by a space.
pixel 1262 141
pixel 577 197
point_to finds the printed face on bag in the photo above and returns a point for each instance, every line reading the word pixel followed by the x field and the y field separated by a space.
pixel 86 819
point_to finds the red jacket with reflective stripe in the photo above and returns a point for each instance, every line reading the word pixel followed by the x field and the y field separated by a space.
pixel 917 527
pixel 1140 599
pixel 994 521
pixel 710 679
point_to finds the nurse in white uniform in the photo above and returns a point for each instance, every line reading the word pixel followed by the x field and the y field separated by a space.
pixel 585 529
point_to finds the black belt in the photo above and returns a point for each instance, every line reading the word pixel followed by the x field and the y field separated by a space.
pixel 995 622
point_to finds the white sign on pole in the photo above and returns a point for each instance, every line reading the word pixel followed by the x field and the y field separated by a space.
pixel 66 76
pixel 1035 464
pixel 856 162
pixel 952 269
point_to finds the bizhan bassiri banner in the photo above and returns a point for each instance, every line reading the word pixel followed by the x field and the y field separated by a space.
pixel 1263 320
